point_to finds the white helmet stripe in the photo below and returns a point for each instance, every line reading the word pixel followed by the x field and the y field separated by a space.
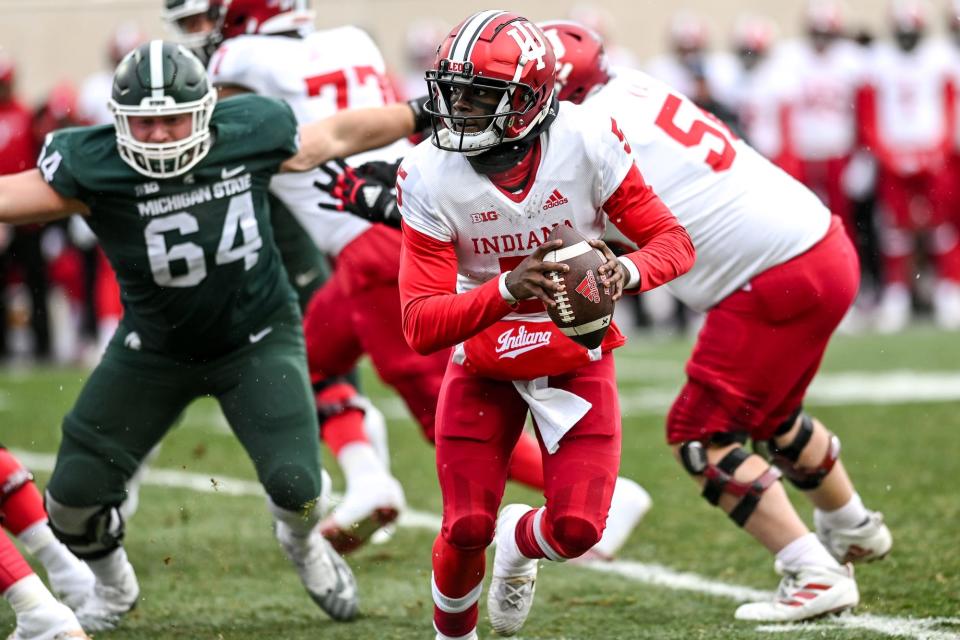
pixel 156 68
pixel 472 28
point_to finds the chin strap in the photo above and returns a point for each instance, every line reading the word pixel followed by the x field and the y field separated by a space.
pixel 509 154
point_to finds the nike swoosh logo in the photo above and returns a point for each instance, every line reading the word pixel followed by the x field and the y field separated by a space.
pixel 260 335
pixel 226 174
pixel 305 278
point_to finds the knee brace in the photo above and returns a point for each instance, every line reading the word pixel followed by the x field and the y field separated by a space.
pixel 474 531
pixel 574 536
pixel 334 396
pixel 89 532
pixel 785 457
pixel 719 478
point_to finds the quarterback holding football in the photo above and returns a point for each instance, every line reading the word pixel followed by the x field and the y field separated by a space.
pixel 503 168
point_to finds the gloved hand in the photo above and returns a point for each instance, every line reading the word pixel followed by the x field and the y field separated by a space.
pixel 367 191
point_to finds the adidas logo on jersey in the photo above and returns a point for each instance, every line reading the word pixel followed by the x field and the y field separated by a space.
pixel 510 345
pixel 555 200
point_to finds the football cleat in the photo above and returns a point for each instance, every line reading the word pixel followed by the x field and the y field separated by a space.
pixel 946 305
pixel 365 508
pixel 324 574
pixel 48 622
pixel 805 593
pixel 629 504
pixel 869 541
pixel 72 585
pixel 108 603
pixel 510 596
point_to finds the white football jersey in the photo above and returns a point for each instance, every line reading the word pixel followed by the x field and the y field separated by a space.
pixel 822 97
pixel 317 75
pixel 910 94
pixel 761 94
pixel 583 161
pixel 743 214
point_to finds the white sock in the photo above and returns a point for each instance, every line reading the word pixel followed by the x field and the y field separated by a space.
pixel 28 593
pixel 110 568
pixel 298 524
pixel 508 557
pixel 359 460
pixel 40 542
pixel 849 516
pixel 36 537
pixel 806 550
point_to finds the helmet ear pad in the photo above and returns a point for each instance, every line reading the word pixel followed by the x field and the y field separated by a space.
pixel 160 79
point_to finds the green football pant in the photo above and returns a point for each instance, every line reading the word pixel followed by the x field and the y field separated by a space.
pixel 133 398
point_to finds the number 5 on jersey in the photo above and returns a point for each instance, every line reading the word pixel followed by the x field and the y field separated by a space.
pixel 240 216
pixel 699 130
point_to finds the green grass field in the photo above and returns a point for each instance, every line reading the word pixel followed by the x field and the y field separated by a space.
pixel 209 567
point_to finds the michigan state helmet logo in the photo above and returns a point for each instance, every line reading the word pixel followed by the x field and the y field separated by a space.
pixel 158 80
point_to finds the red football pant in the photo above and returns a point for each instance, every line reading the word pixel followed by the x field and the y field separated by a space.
pixel 914 203
pixel 761 346
pixel 13 567
pixel 21 505
pixel 478 423
pixel 357 311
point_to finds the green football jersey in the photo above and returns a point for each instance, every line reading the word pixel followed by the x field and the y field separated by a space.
pixel 195 258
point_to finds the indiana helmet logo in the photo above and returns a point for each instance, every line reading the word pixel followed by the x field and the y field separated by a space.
pixel 532 47
pixel 588 288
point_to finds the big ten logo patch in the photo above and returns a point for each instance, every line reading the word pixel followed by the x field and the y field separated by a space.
pixel 484 216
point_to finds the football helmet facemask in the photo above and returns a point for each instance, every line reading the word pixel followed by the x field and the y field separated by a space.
pixel 582 67
pixel 159 79
pixel 177 12
pixel 492 83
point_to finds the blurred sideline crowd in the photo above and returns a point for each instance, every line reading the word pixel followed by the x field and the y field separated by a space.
pixel 868 121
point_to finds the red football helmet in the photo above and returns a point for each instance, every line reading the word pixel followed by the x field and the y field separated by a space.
pixel 908 16
pixel 492 82
pixel 264 16
pixel 753 33
pixel 824 17
pixel 582 66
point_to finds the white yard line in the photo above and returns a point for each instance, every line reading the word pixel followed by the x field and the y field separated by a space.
pixel 647 573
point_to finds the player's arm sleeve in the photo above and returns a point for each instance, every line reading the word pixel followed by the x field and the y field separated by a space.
pixel 434 315
pixel 666 250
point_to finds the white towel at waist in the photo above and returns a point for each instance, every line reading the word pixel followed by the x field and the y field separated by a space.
pixel 555 411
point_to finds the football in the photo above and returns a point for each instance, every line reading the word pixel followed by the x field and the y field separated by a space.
pixel 584 310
